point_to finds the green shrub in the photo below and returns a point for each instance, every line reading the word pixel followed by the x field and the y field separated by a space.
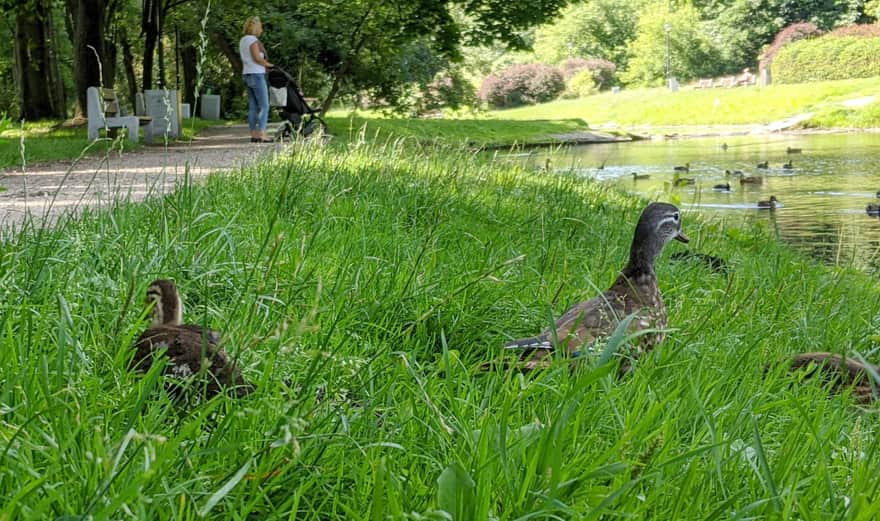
pixel 582 84
pixel 827 58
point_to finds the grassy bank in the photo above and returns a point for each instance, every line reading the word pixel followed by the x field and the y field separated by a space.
pixel 375 278
pixel 740 106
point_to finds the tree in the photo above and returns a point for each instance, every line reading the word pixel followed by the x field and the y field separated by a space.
pixel 597 29
pixel 37 76
pixel 690 51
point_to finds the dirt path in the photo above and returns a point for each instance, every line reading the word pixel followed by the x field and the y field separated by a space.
pixel 48 190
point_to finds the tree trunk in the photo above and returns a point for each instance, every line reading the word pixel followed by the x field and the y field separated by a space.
pixel 40 92
pixel 89 40
pixel 150 30
pixel 128 65
pixel 189 59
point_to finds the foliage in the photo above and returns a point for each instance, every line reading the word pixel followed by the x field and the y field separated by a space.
pixel 828 58
pixel 599 28
pixel 690 51
pixel 522 85
pixel 585 77
pixel 792 33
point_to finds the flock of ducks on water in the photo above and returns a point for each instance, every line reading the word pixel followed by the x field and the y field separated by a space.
pixel 872 209
pixel 195 356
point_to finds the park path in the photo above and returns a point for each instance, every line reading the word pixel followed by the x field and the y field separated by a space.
pixel 49 190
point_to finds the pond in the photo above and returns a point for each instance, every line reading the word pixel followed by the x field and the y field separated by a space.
pixel 823 195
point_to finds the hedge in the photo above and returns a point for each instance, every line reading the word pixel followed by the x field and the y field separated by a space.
pixel 827 58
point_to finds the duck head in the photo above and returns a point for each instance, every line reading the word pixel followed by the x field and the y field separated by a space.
pixel 164 298
pixel 659 224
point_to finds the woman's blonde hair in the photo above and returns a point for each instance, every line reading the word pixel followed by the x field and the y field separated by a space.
pixel 251 24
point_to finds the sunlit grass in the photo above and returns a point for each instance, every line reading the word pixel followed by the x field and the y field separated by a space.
pixel 375 277
pixel 688 106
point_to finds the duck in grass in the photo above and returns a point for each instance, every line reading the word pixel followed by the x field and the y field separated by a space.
pixel 873 210
pixel 770 204
pixel 763 165
pixel 193 351
pixel 751 180
pixel 840 372
pixel 634 292
pixel 636 176
pixel 682 168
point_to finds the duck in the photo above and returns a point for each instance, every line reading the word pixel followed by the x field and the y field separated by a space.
pixel 878 195
pixel 683 181
pixel 725 187
pixel 713 262
pixel 762 164
pixel 752 180
pixel 637 175
pixel 839 371
pixel 682 168
pixel 728 173
pixel 635 291
pixel 188 346
pixel 873 210
pixel 771 204
pixel 791 150
pixel 787 166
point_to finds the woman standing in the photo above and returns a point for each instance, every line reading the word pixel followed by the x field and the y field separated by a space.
pixel 254 63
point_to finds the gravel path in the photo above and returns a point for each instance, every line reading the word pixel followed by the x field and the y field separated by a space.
pixel 47 191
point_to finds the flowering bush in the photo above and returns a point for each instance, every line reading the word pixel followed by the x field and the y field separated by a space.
pixel 792 33
pixel 523 84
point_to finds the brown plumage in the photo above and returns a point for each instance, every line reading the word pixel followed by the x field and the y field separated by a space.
pixel 191 349
pixel 842 373
pixel 634 291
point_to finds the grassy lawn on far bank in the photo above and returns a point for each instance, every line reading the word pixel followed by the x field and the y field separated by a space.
pixel 738 106
pixel 373 278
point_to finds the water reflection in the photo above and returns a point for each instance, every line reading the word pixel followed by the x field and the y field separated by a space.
pixel 823 194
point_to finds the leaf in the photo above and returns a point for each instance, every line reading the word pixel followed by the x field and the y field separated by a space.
pixel 455 490
pixel 225 489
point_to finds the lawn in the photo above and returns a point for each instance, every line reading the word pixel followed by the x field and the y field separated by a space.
pixel 739 106
pixel 373 278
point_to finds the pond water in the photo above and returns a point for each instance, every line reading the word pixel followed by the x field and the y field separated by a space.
pixel 824 195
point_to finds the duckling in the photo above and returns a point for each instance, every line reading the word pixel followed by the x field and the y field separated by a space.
pixel 637 175
pixel 713 262
pixel 752 180
pixel 791 150
pixel 722 187
pixel 190 348
pixel 634 291
pixel 839 371
pixel 762 164
pixel 873 210
pixel 771 204
pixel 787 166
pixel 685 168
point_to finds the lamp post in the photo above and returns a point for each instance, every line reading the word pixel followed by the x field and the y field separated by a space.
pixel 668 27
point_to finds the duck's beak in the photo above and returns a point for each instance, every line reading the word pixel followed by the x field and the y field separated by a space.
pixel 681 237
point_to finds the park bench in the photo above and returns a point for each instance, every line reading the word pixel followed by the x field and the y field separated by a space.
pixel 105 111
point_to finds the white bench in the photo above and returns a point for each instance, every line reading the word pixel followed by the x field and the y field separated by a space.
pixel 104 111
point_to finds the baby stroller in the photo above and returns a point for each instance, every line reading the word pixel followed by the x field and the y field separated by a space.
pixel 298 116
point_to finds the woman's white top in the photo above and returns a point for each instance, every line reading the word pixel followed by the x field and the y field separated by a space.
pixel 249 66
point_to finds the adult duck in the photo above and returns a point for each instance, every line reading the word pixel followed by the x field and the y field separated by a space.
pixel 635 291
pixel 771 204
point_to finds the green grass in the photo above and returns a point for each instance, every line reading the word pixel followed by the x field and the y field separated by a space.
pixel 479 132
pixel 49 141
pixel 377 277
pixel 740 106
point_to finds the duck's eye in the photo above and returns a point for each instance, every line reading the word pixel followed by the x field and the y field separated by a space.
pixel 676 217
